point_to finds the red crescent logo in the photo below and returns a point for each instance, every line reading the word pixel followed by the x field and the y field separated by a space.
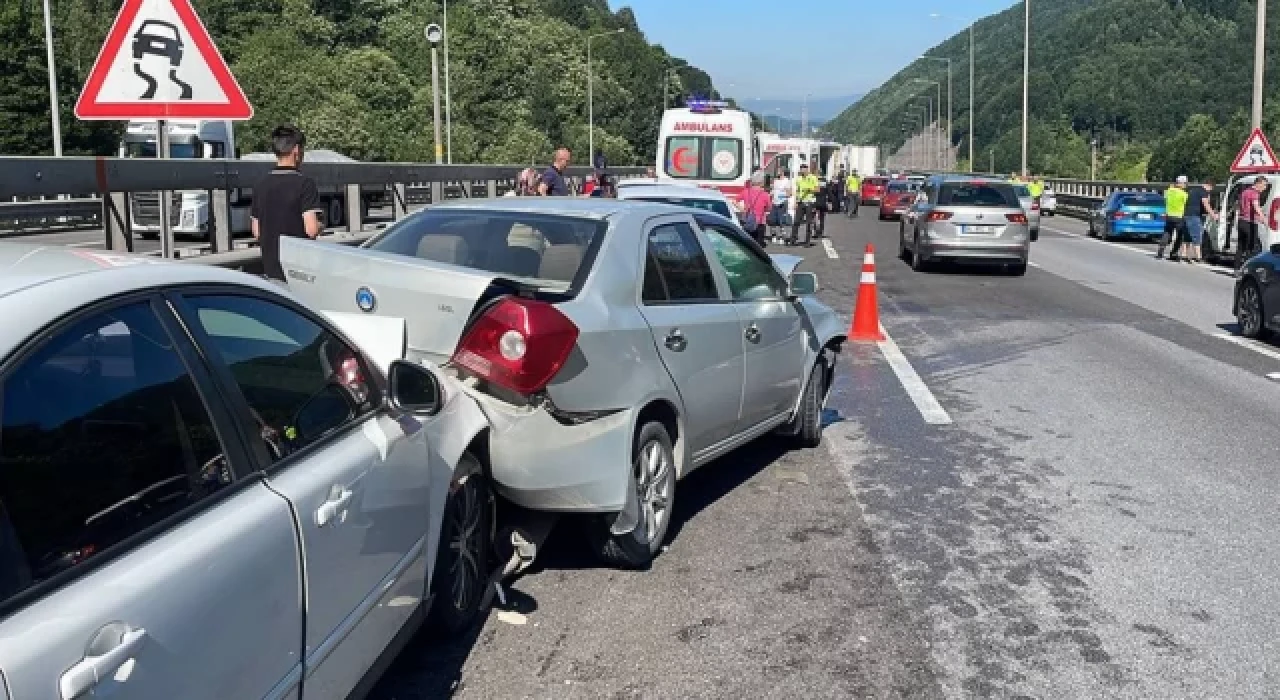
pixel 682 163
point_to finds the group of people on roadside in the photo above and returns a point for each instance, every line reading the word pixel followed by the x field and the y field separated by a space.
pixel 552 182
pixel 1186 210
pixel 776 201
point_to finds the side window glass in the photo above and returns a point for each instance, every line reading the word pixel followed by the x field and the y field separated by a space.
pixel 684 156
pixel 300 381
pixel 749 276
pixel 654 290
pixel 681 264
pixel 102 435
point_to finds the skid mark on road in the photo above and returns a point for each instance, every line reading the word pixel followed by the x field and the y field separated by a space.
pixel 932 411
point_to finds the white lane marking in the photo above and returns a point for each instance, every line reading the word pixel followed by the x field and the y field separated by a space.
pixel 1034 264
pixel 932 411
pixel 86 244
pixel 1274 376
pixel 1117 246
pixel 831 250
pixel 1250 344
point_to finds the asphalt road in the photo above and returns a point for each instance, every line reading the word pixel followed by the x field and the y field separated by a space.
pixel 1096 520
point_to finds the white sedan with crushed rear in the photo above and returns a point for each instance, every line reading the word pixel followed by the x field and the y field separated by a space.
pixel 614 346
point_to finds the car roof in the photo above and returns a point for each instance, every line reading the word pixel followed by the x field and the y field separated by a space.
pixel 589 207
pixel 41 283
pixel 674 192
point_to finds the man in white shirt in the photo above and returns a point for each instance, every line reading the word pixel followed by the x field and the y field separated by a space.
pixel 781 192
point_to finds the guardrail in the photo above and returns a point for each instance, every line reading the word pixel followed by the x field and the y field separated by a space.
pixel 111 181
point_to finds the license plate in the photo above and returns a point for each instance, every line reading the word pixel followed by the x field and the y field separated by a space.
pixel 977 229
pixel 1145 217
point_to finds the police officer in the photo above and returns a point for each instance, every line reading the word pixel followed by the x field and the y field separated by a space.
pixel 807 187
pixel 853 193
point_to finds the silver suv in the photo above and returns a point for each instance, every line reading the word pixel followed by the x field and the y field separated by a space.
pixel 966 219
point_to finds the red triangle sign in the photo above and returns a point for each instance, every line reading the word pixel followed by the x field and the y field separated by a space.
pixel 1256 156
pixel 158 62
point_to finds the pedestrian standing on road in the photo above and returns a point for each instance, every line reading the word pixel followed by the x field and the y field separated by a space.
pixel 285 202
pixel 553 182
pixel 755 210
pixel 1199 208
pixel 1251 217
pixel 854 188
pixel 782 191
pixel 807 187
pixel 1175 208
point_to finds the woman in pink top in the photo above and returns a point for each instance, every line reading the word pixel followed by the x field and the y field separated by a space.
pixel 755 201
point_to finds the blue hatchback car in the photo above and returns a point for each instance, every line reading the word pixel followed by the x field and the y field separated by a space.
pixel 1128 215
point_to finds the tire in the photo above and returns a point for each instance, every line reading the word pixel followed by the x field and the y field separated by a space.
pixel 1017 269
pixel 902 246
pixel 1092 231
pixel 1035 235
pixel 917 260
pixel 462 568
pixel 810 415
pixel 655 490
pixel 1249 311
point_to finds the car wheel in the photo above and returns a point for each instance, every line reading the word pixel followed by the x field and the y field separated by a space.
pixel 1017 269
pixel 653 470
pixel 1035 235
pixel 810 415
pixel 1249 312
pixel 917 259
pixel 902 245
pixel 1092 230
pixel 462 567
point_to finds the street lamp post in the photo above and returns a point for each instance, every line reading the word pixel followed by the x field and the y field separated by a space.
pixel 591 114
pixel 937 138
pixel 434 34
pixel 1026 79
pixel 448 103
pixel 1259 60
pixel 53 82
pixel 950 108
pixel 972 166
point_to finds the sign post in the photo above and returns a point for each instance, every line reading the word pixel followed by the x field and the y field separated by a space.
pixel 158 62
pixel 1256 155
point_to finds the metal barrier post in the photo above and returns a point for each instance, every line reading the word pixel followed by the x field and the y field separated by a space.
pixel 491 188
pixel 219 221
pixel 399 201
pixel 355 209
pixel 116 223
pixel 466 188
pixel 437 193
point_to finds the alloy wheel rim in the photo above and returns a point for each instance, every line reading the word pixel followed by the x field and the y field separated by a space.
pixel 1250 314
pixel 465 569
pixel 653 487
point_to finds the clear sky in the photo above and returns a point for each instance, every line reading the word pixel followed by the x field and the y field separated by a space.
pixel 856 44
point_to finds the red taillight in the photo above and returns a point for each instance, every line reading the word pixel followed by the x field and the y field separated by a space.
pixel 1119 215
pixel 938 216
pixel 1016 218
pixel 518 343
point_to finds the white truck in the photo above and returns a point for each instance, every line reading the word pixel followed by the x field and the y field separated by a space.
pixel 189 209
pixel 864 159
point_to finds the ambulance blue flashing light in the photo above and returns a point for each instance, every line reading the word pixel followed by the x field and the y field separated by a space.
pixel 706 106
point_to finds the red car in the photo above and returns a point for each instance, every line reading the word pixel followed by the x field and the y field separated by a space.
pixel 897 199
pixel 873 189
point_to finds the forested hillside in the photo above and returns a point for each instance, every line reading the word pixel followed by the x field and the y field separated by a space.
pixel 1164 85
pixel 356 75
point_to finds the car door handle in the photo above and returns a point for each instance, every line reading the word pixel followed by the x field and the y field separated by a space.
pixel 85 675
pixel 339 497
pixel 752 333
pixel 676 341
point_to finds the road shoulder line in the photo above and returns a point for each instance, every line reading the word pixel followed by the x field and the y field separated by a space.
pixel 932 411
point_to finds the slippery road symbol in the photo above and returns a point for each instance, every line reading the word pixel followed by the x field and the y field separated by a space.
pixel 159 38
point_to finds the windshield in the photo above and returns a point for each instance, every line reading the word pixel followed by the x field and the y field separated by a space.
pixel 711 205
pixel 900 187
pixel 1143 200
pixel 546 249
pixel 148 150
pixel 977 194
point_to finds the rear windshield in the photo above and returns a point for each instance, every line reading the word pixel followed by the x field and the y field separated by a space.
pixel 1140 200
pixel 877 181
pixel 903 187
pixel 543 248
pixel 711 205
pixel 977 194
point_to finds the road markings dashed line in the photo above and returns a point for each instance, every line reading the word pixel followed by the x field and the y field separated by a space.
pixel 1251 345
pixel 932 411
pixel 831 249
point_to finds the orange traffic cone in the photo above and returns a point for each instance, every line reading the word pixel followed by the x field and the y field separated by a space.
pixel 866 314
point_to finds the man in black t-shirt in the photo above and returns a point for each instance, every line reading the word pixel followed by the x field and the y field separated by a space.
pixel 1199 212
pixel 285 202
pixel 553 183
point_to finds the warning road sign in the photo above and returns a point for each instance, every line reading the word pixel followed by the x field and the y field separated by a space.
pixel 1256 156
pixel 158 62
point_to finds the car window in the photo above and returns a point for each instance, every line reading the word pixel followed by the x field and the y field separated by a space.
pixel 712 205
pixel 684 156
pixel 749 276
pixel 1150 200
pixel 300 381
pixel 676 269
pixel 102 435
pixel 977 194
pixel 546 249
pixel 726 158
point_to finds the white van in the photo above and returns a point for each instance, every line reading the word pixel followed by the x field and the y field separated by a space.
pixel 1220 234
pixel 781 155
pixel 708 145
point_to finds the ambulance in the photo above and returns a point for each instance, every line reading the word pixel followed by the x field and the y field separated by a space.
pixel 785 156
pixel 709 145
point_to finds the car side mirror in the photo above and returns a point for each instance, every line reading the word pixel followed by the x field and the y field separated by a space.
pixel 414 388
pixel 802 284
